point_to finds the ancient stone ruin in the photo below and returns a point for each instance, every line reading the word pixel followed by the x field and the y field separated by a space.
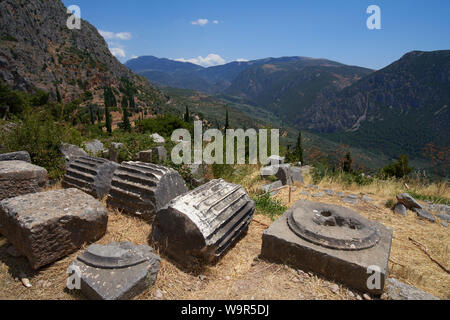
pixel 18 156
pixel 144 188
pixel 202 224
pixel 47 226
pixel 91 175
pixel 406 201
pixel 332 241
pixel 19 178
pixel 117 271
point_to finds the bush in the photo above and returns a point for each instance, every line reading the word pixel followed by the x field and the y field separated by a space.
pixel 267 206
pixel 399 169
pixel 38 134
pixel 163 125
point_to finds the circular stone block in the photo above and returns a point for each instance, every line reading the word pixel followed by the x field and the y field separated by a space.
pixel 332 227
pixel 117 271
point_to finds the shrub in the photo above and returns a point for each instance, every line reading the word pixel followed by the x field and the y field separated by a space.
pixel 267 206
pixel 38 134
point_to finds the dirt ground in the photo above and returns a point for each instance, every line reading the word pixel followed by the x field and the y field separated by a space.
pixel 240 274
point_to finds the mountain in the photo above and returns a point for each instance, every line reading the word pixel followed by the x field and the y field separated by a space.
pixel 38 50
pixel 398 109
pixel 289 86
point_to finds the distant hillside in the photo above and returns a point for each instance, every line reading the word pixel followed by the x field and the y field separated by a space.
pixel 397 110
pixel 37 50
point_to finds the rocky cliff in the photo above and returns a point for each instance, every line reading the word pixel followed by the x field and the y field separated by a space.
pixel 38 50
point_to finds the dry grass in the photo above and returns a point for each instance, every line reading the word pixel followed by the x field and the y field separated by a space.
pixel 240 274
pixel 407 262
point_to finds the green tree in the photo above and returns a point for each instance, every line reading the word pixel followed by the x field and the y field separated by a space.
pixel 399 169
pixel 298 152
pixel 187 117
pixel 227 121
pixel 125 120
pixel 347 163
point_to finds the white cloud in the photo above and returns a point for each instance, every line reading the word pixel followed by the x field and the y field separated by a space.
pixel 241 60
pixel 209 61
pixel 200 22
pixel 111 35
pixel 118 52
pixel 216 21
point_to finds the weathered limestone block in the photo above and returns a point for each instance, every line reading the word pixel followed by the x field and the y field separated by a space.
pixel 397 290
pixel 284 174
pixel 95 147
pixel 71 152
pixel 117 271
pixel 408 201
pixel 296 175
pixel 159 154
pixel 276 160
pixel 91 175
pixel 202 224
pixel 157 138
pixel 268 171
pixel 47 226
pixel 198 173
pixel 425 215
pixel 19 178
pixel 114 151
pixel 332 241
pixel 272 188
pixel 145 156
pixel 400 209
pixel 16 156
pixel 144 188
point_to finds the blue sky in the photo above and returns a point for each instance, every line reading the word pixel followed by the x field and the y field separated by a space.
pixel 250 29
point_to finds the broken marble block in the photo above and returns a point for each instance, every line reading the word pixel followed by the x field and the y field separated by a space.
pixel 145 156
pixel 276 160
pixel 71 152
pixel 114 151
pixel 202 224
pixel 408 201
pixel 159 154
pixel 157 138
pixel 424 214
pixel 332 241
pixel 117 271
pixel 269 171
pixel 284 174
pixel 91 175
pixel 272 188
pixel 19 178
pixel 144 188
pixel 47 226
pixel 296 175
pixel 16 156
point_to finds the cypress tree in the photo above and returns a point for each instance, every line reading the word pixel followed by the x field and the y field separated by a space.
pixel 227 121
pixel 347 165
pixel 187 117
pixel 299 148
pixel 125 120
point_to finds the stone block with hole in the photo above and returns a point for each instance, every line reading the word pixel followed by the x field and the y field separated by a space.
pixel 332 241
